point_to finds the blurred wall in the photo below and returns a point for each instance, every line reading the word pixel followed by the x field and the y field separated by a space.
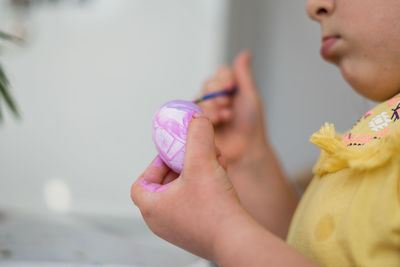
pixel 88 82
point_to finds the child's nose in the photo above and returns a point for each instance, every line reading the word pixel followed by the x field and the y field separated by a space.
pixel 318 9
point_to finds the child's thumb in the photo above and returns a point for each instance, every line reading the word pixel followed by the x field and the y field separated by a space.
pixel 243 72
pixel 200 149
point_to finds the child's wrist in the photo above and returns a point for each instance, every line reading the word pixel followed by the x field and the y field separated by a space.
pixel 244 242
pixel 236 232
pixel 256 155
pixel 227 230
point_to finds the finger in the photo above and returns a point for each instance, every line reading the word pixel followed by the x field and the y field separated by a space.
pixel 171 176
pixel 212 85
pixel 226 114
pixel 156 171
pixel 157 174
pixel 226 81
pixel 200 152
pixel 226 77
pixel 223 101
pixel 221 159
pixel 218 83
pixel 243 72
pixel 150 181
pixel 210 106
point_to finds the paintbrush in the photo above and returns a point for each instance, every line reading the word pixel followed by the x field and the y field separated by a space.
pixel 223 92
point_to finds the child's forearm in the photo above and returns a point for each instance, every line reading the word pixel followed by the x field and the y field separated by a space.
pixel 264 191
pixel 243 242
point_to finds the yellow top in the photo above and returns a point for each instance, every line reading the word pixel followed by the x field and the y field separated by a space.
pixel 350 213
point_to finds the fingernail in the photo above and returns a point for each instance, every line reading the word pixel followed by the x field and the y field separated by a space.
pixel 200 115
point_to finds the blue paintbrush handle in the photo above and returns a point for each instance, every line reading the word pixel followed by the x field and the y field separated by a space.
pixel 216 94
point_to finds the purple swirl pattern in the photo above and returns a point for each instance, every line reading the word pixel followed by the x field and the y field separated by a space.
pixel 170 125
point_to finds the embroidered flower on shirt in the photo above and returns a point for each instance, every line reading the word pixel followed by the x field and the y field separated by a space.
pixel 379 122
pixel 393 101
pixel 361 138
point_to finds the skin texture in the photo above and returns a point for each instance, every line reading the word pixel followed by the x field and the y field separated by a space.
pixel 200 210
pixel 238 192
pixel 203 191
pixel 368 50
pixel 241 136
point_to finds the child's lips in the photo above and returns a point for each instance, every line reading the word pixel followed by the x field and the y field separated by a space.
pixel 327 43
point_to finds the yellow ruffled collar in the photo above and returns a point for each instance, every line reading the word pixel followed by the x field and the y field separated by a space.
pixel 372 142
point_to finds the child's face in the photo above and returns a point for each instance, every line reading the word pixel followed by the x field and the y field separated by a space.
pixel 365 42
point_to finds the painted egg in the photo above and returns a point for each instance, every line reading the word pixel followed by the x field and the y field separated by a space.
pixel 170 125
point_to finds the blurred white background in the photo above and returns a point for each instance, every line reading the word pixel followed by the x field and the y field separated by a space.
pixel 92 74
pixel 88 83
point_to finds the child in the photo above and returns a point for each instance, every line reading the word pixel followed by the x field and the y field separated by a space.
pixel 234 206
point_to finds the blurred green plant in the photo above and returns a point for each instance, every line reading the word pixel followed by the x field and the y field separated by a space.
pixel 5 96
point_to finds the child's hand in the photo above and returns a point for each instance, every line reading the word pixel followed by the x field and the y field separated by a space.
pixel 251 162
pixel 189 210
pixel 200 211
pixel 239 121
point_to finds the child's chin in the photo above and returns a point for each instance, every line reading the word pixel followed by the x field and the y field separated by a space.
pixel 375 93
pixel 370 79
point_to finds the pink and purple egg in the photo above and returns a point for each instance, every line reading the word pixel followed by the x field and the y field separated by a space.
pixel 170 125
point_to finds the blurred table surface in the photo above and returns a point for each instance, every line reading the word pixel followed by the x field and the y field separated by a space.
pixel 81 240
